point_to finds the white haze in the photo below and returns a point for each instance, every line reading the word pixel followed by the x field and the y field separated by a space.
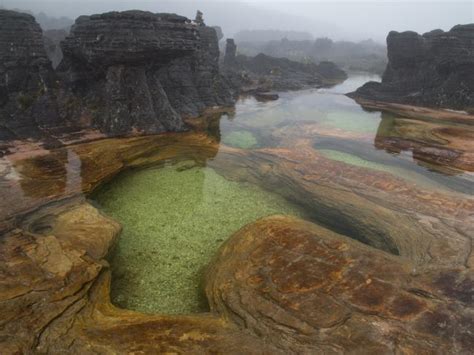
pixel 350 20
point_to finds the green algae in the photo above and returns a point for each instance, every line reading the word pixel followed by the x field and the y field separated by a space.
pixel 240 139
pixel 174 220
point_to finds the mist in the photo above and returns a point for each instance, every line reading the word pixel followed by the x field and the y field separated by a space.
pixel 348 20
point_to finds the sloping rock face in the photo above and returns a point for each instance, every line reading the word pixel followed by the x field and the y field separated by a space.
pixel 307 290
pixel 434 69
pixel 26 78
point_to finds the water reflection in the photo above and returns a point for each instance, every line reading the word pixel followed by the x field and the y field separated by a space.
pixel 337 123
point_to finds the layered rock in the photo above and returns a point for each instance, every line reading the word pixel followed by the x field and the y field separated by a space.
pixel 280 285
pixel 194 82
pixel 26 78
pixel 112 62
pixel 122 73
pixel 434 69
pixel 307 290
pixel 263 73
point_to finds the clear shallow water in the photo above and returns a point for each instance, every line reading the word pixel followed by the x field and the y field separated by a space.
pixel 175 217
pixel 341 125
pixel 174 220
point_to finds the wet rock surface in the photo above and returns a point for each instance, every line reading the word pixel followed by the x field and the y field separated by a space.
pixel 434 69
pixel 309 290
pixel 280 285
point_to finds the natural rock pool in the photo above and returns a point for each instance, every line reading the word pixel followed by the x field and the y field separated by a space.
pixel 374 226
pixel 175 218
pixel 176 215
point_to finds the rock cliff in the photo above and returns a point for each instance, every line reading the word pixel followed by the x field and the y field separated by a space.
pixel 26 78
pixel 434 69
pixel 121 72
pixel 138 71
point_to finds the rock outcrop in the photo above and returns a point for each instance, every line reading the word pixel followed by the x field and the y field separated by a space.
pixel 122 73
pixel 435 69
pixel 279 285
pixel 194 82
pixel 230 52
pixel 138 71
pixel 26 78
pixel 264 73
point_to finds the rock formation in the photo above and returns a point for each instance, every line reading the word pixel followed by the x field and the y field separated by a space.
pixel 263 73
pixel 279 285
pixel 434 69
pixel 194 82
pixel 230 52
pixel 142 71
pixel 121 72
pixel 26 78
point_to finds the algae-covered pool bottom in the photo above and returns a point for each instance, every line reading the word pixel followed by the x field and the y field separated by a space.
pixel 174 219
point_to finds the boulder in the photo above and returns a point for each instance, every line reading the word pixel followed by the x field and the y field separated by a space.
pixel 435 69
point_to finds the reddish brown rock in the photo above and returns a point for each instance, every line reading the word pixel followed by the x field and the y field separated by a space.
pixel 309 290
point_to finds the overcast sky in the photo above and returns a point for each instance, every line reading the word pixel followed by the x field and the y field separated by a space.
pixel 353 20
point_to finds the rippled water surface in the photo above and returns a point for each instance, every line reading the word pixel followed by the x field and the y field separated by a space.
pixel 176 216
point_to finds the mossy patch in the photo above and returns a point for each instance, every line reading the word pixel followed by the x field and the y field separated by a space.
pixel 174 221
pixel 240 139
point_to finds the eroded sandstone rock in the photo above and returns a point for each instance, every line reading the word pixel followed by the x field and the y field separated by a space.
pixel 433 69
pixel 26 79
pixel 279 285
pixel 122 73
pixel 309 290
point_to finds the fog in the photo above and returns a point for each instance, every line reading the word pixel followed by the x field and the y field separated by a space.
pixel 351 20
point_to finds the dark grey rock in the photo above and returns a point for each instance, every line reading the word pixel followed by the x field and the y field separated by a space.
pixel 230 53
pixel 138 71
pixel 434 69
pixel 27 78
pixel 265 73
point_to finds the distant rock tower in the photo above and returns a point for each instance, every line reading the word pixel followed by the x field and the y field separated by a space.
pixel 199 18
pixel 230 52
